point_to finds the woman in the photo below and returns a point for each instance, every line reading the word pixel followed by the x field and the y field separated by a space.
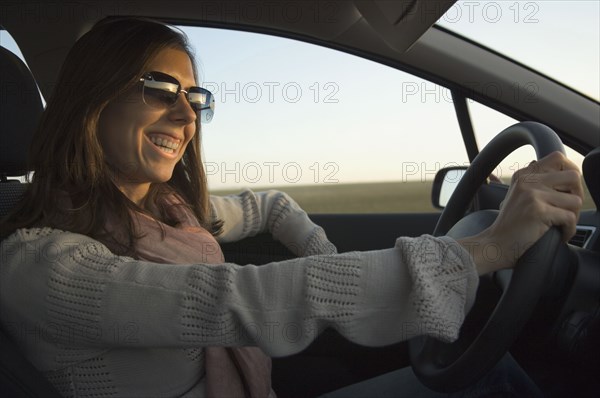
pixel 115 252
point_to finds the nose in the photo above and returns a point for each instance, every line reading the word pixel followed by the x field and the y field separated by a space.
pixel 182 111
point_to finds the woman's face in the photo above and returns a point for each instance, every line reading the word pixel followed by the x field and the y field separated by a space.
pixel 143 143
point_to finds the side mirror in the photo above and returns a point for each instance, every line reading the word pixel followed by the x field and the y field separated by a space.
pixel 445 182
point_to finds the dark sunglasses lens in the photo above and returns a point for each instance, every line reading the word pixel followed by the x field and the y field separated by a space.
pixel 161 90
pixel 203 102
pixel 159 93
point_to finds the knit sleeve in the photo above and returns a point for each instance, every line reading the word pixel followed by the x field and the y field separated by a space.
pixel 443 282
pixel 81 294
pixel 250 213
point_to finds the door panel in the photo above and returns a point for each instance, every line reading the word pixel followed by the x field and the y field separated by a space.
pixel 348 232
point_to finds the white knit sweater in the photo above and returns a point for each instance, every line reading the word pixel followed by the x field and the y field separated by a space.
pixel 101 325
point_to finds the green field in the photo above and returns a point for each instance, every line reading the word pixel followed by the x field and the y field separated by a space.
pixel 358 198
pixel 384 197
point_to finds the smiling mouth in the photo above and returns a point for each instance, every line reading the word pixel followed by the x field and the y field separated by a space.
pixel 166 145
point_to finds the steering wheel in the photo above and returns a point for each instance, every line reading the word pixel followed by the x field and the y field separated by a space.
pixel 450 367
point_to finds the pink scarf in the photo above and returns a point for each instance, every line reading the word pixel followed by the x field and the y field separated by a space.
pixel 230 371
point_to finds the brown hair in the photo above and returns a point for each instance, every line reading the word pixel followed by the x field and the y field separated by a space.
pixel 66 155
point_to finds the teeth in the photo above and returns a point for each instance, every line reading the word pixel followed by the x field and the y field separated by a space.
pixel 167 150
pixel 165 144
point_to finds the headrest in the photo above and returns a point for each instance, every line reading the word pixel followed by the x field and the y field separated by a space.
pixel 20 110
pixel 590 167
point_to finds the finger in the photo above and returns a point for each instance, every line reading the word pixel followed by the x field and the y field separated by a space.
pixel 567 180
pixel 566 220
pixel 568 224
pixel 578 188
pixel 569 165
pixel 549 164
pixel 564 181
pixel 555 161
pixel 562 200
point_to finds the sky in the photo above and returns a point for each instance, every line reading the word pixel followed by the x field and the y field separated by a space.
pixel 289 112
pixel 361 133
pixel 557 37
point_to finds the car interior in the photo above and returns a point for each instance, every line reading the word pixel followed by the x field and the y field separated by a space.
pixel 558 344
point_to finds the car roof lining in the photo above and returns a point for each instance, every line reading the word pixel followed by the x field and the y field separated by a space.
pixel 399 23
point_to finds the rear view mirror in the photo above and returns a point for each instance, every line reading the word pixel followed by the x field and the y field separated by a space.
pixel 445 182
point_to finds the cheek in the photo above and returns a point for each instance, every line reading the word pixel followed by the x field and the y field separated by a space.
pixel 190 134
pixel 117 133
pixel 106 134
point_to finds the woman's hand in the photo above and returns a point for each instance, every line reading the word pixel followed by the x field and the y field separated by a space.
pixel 544 194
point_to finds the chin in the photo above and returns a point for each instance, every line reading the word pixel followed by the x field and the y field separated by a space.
pixel 162 178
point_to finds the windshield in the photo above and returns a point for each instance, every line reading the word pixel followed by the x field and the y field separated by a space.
pixel 560 39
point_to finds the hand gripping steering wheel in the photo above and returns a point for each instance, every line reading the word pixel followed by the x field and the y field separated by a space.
pixel 450 367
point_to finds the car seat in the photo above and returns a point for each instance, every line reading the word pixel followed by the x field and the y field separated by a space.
pixel 20 110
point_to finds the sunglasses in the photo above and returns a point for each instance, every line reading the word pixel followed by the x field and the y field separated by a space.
pixel 161 91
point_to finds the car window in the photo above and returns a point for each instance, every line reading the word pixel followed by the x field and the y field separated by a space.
pixel 7 41
pixel 488 122
pixel 558 38
pixel 337 132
